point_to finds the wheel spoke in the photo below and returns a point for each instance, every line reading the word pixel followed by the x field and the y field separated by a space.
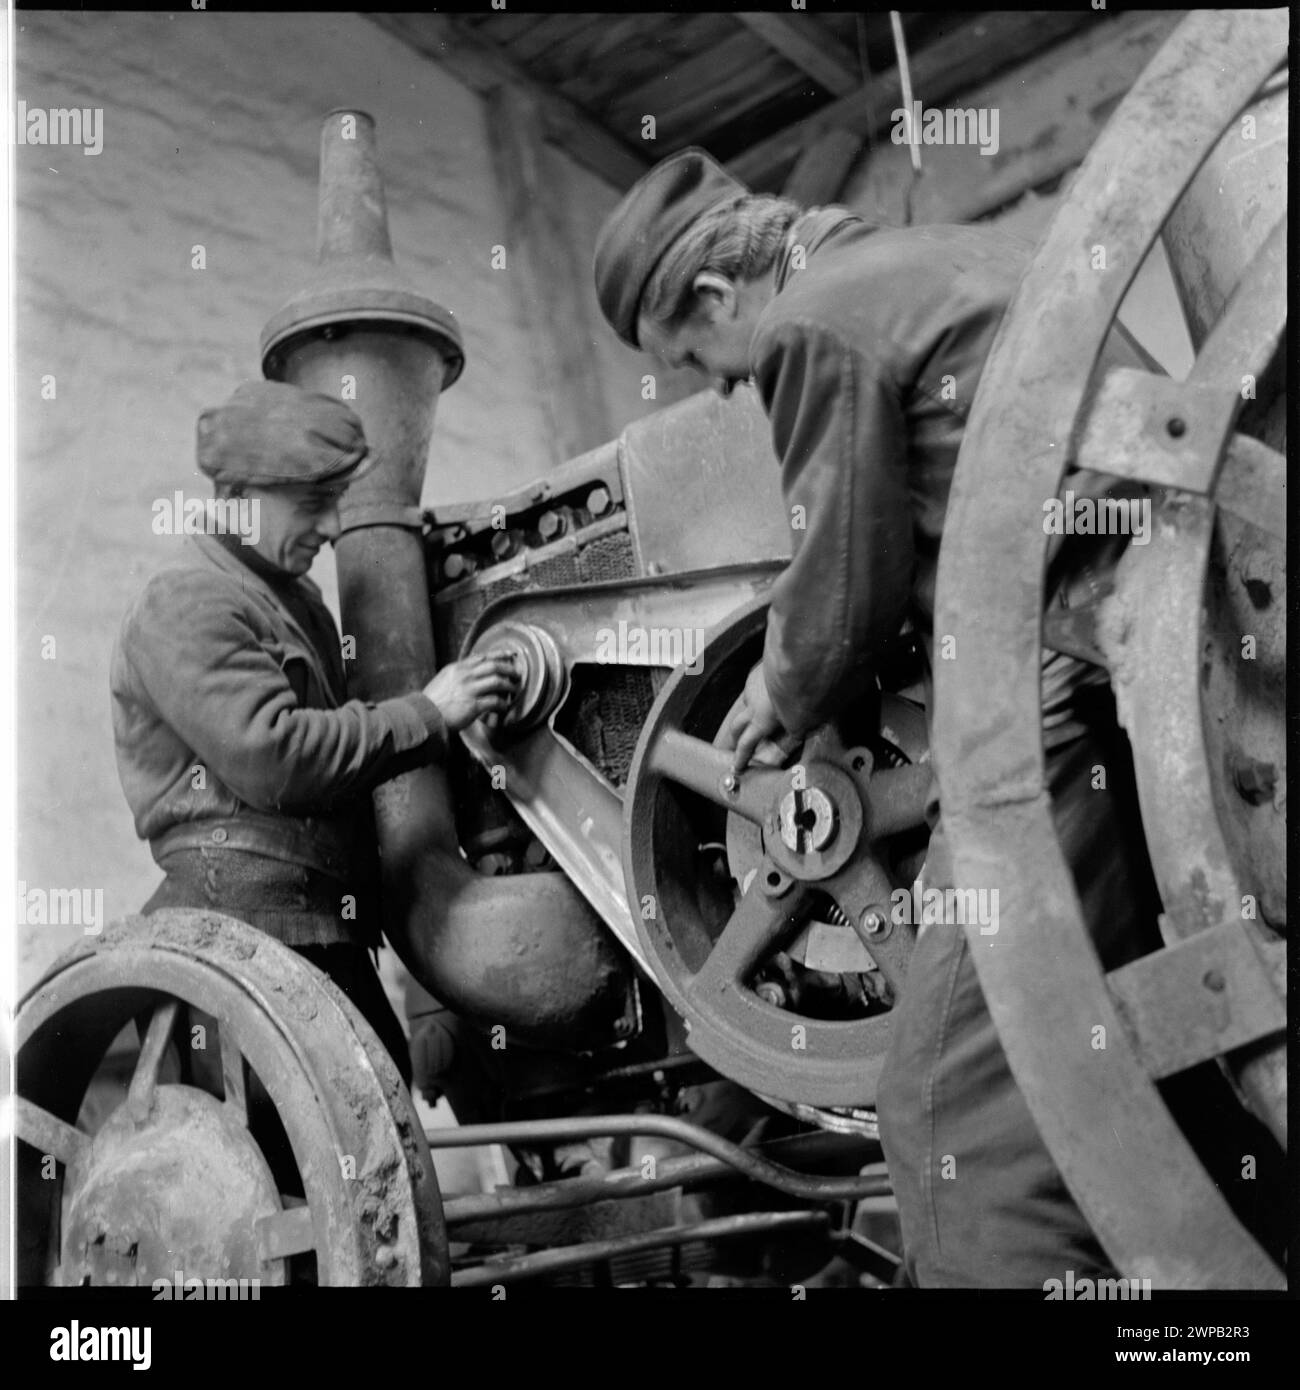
pixel 862 891
pixel 232 1073
pixel 753 930
pixel 1201 997
pixel 145 1077
pixel 1253 322
pixel 48 1134
pixel 898 798
pixel 1252 484
pixel 701 768
pixel 288 1232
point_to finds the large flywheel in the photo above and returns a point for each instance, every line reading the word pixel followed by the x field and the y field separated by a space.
pixel 261 1130
pixel 765 902
pixel 1193 635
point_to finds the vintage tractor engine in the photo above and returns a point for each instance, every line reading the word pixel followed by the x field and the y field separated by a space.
pixel 612 581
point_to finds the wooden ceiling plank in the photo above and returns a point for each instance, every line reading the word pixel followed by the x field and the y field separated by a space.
pixel 810 48
pixel 971 53
pixel 483 68
pixel 501 27
pixel 552 32
pixel 632 51
pixel 683 96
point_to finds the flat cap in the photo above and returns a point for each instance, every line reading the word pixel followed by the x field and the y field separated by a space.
pixel 271 434
pixel 654 212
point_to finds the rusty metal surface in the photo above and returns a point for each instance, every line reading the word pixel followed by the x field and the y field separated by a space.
pixel 1157 1212
pixel 1192 705
pixel 511 1268
pixel 174 1173
pixel 1158 669
pixel 1199 998
pixel 1232 202
pixel 1252 485
pixel 689 464
pixel 703 944
pixel 182 1187
pixel 573 1225
pixel 1174 433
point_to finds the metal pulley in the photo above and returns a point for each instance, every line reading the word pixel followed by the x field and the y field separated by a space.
pixel 813 855
pixel 544 676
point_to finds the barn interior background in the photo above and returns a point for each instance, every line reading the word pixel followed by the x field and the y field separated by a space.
pixel 498 129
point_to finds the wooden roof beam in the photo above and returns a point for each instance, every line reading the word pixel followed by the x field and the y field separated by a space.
pixel 970 54
pixel 817 53
pixel 484 68
pixel 819 174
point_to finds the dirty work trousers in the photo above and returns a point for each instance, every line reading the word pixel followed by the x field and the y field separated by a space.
pixel 237 883
pixel 1001 1217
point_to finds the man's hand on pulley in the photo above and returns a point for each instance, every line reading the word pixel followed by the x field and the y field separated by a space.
pixel 752 728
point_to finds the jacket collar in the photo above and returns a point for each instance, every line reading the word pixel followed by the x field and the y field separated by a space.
pixel 219 557
pixel 809 231
pixel 228 560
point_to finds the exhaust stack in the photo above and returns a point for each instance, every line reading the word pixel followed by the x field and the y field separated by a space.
pixel 524 951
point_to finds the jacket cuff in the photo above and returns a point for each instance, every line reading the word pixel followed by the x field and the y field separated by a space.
pixel 426 722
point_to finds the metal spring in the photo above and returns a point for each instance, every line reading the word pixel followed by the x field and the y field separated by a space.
pixel 835 915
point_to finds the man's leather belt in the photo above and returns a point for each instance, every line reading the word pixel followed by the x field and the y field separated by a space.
pixel 315 844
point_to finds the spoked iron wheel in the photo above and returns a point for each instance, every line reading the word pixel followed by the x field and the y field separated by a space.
pixel 294 1091
pixel 763 902
pixel 1216 988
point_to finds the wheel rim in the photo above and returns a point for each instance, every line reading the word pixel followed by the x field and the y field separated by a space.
pixel 1032 416
pixel 708 970
pixel 174 1180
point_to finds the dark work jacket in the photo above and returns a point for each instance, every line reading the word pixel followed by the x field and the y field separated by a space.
pixel 235 740
pixel 867 361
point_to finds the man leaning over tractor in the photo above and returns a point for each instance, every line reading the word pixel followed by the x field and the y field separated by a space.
pixel 245 765
pixel 866 347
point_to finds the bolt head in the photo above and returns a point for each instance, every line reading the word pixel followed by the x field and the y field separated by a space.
pixel 872 922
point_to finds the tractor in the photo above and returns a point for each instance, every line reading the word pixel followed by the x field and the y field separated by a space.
pixel 666 989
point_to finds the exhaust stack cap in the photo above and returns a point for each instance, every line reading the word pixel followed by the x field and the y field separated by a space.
pixel 356 283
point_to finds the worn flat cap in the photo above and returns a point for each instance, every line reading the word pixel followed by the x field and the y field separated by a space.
pixel 654 212
pixel 271 434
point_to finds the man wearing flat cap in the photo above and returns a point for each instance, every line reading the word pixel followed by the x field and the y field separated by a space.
pixel 866 346
pixel 245 765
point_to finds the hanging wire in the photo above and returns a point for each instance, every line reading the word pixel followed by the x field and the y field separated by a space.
pixel 905 81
